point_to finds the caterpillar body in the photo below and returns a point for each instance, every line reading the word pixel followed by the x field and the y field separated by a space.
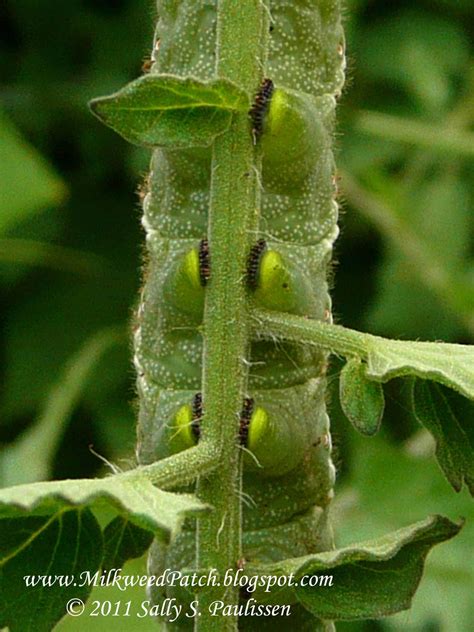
pixel 291 476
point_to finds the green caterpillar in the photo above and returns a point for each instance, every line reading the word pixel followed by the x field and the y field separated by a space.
pixel 289 476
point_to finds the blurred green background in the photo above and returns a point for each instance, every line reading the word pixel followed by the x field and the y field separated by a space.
pixel 71 253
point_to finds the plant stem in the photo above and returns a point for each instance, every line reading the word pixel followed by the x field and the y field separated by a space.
pixel 339 340
pixel 233 220
pixel 181 468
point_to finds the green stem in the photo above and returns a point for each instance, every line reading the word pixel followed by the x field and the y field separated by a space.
pixel 233 220
pixel 446 363
pixel 181 468
pixel 339 340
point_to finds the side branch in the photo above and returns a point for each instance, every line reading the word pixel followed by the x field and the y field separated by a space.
pixel 337 339
pixel 181 468
pixel 384 359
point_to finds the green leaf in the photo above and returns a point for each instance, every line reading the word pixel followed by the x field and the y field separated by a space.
pixel 171 111
pixel 62 545
pixel 113 593
pixel 450 419
pixel 27 183
pixel 124 541
pixel 448 364
pixel 402 473
pixel 131 494
pixel 370 580
pixel 362 400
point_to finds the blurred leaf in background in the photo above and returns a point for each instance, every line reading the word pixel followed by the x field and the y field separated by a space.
pixel 405 270
pixel 28 183
pixel 69 264
pixel 407 156
pixel 390 486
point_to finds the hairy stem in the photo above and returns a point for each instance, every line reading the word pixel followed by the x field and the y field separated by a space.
pixel 337 339
pixel 182 468
pixel 234 200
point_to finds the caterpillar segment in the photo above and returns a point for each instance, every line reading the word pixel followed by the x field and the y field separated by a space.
pixel 289 477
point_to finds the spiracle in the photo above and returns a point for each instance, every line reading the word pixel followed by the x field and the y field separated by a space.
pixel 253 262
pixel 260 106
pixel 204 262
